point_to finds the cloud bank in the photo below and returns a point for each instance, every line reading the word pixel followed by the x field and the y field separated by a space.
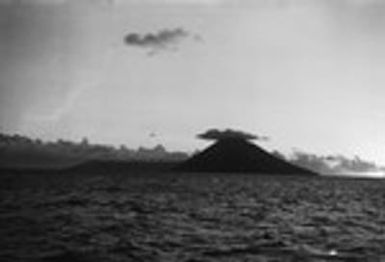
pixel 164 39
pixel 334 164
pixel 215 134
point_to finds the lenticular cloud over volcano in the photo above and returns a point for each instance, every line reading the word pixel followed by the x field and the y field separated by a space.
pixel 215 134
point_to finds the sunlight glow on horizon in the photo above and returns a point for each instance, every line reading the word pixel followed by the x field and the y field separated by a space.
pixel 368 174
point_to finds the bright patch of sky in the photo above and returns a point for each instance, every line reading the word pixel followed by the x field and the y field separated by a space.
pixel 308 74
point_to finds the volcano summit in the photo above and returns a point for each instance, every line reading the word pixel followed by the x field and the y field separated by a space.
pixel 233 152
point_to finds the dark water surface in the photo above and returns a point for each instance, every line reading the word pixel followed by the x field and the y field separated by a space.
pixel 180 217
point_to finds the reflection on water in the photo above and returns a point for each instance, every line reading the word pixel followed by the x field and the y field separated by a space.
pixel 180 217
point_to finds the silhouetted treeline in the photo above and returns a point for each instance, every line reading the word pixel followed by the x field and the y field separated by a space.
pixel 21 151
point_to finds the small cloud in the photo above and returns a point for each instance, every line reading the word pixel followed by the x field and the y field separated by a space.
pixel 171 2
pixel 215 134
pixel 165 39
pixel 192 2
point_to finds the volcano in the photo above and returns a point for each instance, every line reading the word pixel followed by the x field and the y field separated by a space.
pixel 237 155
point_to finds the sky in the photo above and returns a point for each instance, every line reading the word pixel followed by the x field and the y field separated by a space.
pixel 309 74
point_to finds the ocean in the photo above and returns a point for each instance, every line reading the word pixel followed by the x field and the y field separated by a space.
pixel 190 217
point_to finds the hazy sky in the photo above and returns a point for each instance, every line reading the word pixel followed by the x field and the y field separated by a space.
pixel 309 74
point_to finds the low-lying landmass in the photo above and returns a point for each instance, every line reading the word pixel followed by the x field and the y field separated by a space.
pixel 19 153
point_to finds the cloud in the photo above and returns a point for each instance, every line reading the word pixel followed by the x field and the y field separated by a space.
pixel 335 164
pixel 215 134
pixel 171 2
pixel 165 39
pixel 200 2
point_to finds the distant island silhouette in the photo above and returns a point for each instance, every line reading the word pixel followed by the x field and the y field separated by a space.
pixel 233 153
pixel 21 152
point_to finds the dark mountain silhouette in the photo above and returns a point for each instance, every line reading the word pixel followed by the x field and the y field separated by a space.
pixel 235 154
